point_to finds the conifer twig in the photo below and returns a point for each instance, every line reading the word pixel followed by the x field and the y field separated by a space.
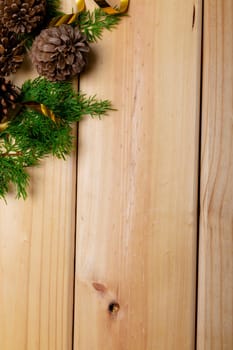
pixel 93 23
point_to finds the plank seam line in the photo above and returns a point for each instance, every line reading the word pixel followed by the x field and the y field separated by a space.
pixel 75 232
pixel 199 174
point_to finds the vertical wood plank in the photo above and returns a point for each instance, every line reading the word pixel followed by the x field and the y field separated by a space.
pixel 37 257
pixel 215 310
pixel 137 184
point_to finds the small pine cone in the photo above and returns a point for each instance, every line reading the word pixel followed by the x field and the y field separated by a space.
pixel 8 98
pixel 22 16
pixel 11 52
pixel 60 53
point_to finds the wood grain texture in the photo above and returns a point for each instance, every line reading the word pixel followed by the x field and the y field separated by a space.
pixel 36 257
pixel 137 184
pixel 215 310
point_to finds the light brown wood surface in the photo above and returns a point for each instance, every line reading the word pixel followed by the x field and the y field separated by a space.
pixel 136 188
pixel 36 257
pixel 215 305
pixel 137 184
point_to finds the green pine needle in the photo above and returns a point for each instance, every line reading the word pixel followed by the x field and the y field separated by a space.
pixel 32 135
pixel 12 170
pixel 93 23
pixel 61 98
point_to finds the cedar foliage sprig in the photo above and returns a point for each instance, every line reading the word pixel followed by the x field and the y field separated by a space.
pixel 32 135
pixel 63 100
pixel 93 23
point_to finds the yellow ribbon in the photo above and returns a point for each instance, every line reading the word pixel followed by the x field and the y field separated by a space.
pixel 70 18
pixel 123 6
pixel 48 113
pixel 104 5
pixel 38 107
pixel 80 5
pixel 64 19
pixel 3 126
pixel 41 108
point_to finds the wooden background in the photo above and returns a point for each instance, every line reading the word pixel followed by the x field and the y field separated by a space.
pixel 215 306
pixel 118 222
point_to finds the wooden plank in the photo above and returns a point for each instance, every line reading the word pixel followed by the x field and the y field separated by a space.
pixel 215 311
pixel 137 184
pixel 36 257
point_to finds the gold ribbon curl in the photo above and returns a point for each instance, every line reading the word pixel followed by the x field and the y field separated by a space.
pixel 64 19
pixel 104 5
pixel 80 5
pixel 41 108
pixel 48 113
pixel 70 18
pixel 3 126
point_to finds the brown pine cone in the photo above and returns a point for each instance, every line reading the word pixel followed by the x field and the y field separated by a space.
pixel 8 98
pixel 22 16
pixel 11 52
pixel 60 53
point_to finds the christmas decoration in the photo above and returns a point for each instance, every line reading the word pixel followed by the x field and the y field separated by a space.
pixel 22 16
pixel 36 119
pixel 60 52
pixel 8 98
pixel 11 52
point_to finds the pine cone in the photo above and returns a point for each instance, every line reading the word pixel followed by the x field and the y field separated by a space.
pixel 60 53
pixel 22 16
pixel 8 98
pixel 11 52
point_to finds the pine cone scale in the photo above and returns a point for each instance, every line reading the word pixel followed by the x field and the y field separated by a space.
pixel 8 98
pixel 48 48
pixel 60 53
pixel 11 52
pixel 55 41
pixel 22 16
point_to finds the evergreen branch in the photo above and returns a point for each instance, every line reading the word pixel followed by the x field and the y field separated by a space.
pixel 12 171
pixel 37 135
pixel 52 10
pixel 93 23
pixel 31 135
pixel 93 107
pixel 34 132
pixel 61 98
pixel 8 154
